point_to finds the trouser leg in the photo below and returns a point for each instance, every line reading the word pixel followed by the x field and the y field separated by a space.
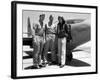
pixel 56 48
pixel 59 51
pixel 53 50
pixel 36 53
pixel 45 50
pixel 63 53
pixel 41 53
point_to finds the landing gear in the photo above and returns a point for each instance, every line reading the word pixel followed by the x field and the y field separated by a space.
pixel 69 57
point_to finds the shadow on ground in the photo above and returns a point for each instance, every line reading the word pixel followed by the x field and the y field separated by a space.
pixel 78 63
pixel 74 63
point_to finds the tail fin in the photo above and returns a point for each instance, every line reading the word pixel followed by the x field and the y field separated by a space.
pixel 29 27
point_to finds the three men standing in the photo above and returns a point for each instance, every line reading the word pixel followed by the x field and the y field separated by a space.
pixel 45 38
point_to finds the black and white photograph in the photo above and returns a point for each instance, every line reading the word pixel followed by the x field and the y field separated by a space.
pixel 56 39
pixel 52 39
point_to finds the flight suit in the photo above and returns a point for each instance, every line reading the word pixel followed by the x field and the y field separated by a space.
pixel 62 42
